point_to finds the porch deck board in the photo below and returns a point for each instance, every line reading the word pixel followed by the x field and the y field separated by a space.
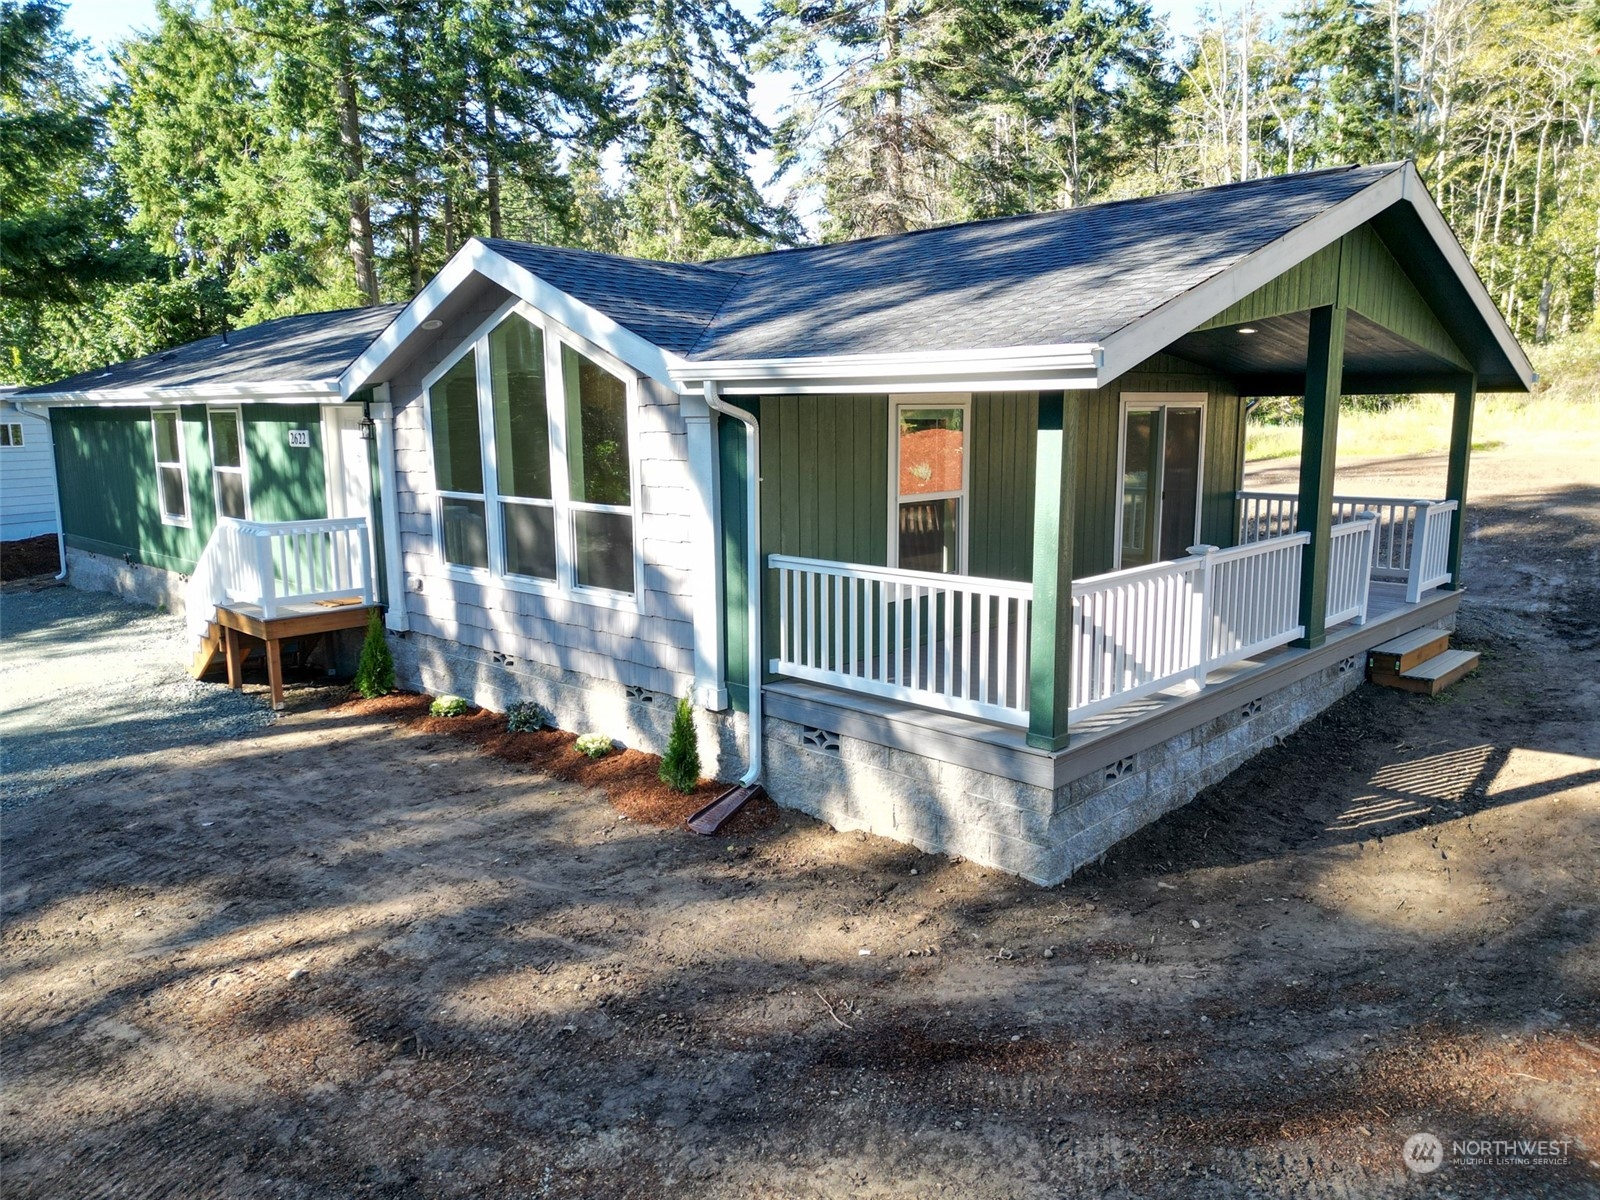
pixel 1105 738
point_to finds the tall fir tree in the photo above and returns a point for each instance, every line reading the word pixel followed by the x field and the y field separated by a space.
pixel 690 134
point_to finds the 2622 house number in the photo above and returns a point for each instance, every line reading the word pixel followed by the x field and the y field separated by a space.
pixel 299 439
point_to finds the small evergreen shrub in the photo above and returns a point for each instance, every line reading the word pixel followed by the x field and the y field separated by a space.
pixel 680 765
pixel 448 706
pixel 375 671
pixel 595 745
pixel 528 716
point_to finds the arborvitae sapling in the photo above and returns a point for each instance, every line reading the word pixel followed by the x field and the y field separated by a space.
pixel 375 671
pixel 680 765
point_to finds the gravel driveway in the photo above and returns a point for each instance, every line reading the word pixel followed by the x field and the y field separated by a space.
pixel 91 686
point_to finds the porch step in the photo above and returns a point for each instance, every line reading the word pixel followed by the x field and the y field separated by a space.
pixel 205 654
pixel 1431 677
pixel 1399 655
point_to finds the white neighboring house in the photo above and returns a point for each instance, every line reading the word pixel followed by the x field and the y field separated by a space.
pixel 27 474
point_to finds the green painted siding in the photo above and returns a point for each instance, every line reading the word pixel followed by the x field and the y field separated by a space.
pixel 825 477
pixel 285 484
pixel 105 464
pixel 1099 473
pixel 825 480
pixel 731 495
pixel 1359 272
pixel 1004 435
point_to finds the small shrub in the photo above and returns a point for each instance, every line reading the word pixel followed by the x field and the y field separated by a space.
pixel 680 765
pixel 595 745
pixel 375 671
pixel 448 706
pixel 528 716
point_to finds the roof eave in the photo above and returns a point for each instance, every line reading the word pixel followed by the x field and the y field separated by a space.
pixel 287 391
pixel 476 258
pixel 1138 340
pixel 1070 367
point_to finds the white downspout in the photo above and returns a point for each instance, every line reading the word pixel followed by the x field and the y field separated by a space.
pixel 396 617
pixel 752 442
pixel 55 491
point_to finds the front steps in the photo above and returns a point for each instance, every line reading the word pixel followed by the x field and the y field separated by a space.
pixel 1420 661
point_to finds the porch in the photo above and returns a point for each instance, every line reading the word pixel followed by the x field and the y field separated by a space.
pixel 269 585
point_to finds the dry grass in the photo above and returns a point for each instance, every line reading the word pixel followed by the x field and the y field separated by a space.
pixel 1565 405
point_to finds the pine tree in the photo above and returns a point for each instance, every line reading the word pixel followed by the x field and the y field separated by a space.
pixel 680 765
pixel 375 671
pixel 690 133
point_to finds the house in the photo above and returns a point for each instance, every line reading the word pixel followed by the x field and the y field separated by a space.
pixel 951 520
pixel 27 473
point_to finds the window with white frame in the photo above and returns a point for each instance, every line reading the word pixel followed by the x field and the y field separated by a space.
pixel 10 435
pixel 172 479
pixel 229 481
pixel 930 484
pixel 546 499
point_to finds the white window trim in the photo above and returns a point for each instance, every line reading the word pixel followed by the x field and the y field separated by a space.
pixel 1158 400
pixel 187 520
pixel 962 401
pixel 242 470
pixel 565 584
pixel 13 439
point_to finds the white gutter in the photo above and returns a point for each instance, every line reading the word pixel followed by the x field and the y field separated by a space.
pixel 752 442
pixel 285 392
pixel 395 617
pixel 55 488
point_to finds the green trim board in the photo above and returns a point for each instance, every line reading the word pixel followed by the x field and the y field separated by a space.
pixel 105 470
pixel 1359 273
pixel 732 491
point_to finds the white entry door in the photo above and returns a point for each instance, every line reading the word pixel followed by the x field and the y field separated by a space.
pixel 349 472
pixel 349 476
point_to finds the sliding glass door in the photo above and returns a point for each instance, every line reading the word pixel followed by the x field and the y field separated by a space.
pixel 1163 440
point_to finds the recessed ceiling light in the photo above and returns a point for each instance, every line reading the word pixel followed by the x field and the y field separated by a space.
pixel 1246 329
pixel 435 323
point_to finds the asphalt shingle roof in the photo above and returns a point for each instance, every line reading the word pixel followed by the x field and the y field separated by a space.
pixel 1074 276
pixel 312 347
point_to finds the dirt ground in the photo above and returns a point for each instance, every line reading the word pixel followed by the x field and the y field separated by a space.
pixel 350 955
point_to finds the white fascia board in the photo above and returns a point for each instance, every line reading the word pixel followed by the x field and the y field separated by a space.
pixel 475 258
pixel 297 391
pixel 1011 368
pixel 1151 333
pixel 1433 220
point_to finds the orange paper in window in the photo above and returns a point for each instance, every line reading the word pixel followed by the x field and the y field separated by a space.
pixel 930 459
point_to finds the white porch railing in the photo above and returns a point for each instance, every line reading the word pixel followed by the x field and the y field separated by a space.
pixel 1140 631
pixel 961 643
pixel 277 563
pixel 957 642
pixel 1411 541
pixel 1350 569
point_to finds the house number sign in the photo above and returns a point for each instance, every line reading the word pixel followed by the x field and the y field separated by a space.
pixel 299 439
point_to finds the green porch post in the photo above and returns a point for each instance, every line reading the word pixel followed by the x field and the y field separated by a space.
pixel 1319 438
pixel 1050 647
pixel 1455 487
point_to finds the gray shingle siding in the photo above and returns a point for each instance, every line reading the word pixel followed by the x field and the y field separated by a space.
pixel 652 647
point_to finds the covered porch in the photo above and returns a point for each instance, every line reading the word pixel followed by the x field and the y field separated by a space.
pixel 1056 655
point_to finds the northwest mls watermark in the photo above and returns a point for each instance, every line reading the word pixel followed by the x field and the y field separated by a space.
pixel 1424 1153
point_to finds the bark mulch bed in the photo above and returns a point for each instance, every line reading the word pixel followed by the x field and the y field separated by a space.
pixel 629 778
pixel 28 557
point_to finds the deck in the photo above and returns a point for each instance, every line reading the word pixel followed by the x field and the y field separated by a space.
pixel 1104 738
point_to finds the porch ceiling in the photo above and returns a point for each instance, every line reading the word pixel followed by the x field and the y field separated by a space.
pixel 1272 360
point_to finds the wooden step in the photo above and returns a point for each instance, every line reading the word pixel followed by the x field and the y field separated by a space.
pixel 1433 676
pixel 1399 655
pixel 205 655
